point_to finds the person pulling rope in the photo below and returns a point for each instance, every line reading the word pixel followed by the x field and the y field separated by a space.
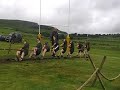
pixel 22 52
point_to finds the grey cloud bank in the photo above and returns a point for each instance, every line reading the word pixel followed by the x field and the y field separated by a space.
pixel 87 16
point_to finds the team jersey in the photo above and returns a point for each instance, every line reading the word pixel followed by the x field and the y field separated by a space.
pixel 64 44
pixel 80 46
pixel 72 47
pixel 25 48
pixel 39 47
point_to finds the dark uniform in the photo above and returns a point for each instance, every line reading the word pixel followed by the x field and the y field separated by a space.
pixel 56 46
pixel 39 48
pixel 25 49
pixel 87 46
pixel 80 48
pixel 55 34
pixel 71 48
pixel 47 47
pixel 64 46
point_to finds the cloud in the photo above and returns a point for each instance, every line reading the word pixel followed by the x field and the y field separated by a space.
pixel 94 16
pixel 87 16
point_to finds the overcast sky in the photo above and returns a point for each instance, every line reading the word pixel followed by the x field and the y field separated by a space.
pixel 87 16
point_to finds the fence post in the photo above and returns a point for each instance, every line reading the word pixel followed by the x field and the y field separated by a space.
pixel 101 65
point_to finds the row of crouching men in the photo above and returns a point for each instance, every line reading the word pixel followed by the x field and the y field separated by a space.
pixel 55 50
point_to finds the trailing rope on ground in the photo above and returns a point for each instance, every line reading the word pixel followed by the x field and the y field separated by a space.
pixel 112 79
pixel 88 79
pixel 100 67
pixel 38 58
pixel 6 49
pixel 98 74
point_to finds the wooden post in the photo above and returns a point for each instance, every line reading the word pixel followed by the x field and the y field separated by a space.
pixel 88 79
pixel 9 46
pixel 97 74
pixel 101 65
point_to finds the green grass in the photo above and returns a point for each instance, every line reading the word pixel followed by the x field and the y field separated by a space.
pixel 67 74
pixel 58 74
pixel 55 74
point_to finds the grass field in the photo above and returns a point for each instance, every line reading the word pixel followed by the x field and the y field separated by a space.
pixel 60 74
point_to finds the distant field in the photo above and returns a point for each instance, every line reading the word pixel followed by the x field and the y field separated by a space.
pixel 67 74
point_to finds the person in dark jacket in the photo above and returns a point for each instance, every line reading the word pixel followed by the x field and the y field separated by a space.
pixel 20 54
pixel 64 48
pixel 55 47
pixel 71 49
pixel 54 34
pixel 46 48
pixel 86 49
pixel 36 50
pixel 80 49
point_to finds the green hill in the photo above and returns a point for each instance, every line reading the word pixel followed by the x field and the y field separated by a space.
pixel 55 74
pixel 24 26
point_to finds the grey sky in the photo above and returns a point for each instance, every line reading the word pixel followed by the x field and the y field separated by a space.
pixel 87 16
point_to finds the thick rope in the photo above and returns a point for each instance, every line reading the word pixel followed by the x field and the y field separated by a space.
pixel 4 49
pixel 100 67
pixel 97 74
pixel 88 79
pixel 112 79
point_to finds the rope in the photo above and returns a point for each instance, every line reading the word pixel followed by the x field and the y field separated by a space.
pixel 2 60
pixel 88 79
pixel 97 74
pixel 100 67
pixel 4 49
pixel 112 79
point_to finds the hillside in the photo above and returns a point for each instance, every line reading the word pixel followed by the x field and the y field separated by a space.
pixel 25 26
pixel 55 74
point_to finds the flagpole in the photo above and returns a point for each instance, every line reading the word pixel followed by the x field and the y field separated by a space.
pixel 68 36
pixel 69 18
pixel 40 18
